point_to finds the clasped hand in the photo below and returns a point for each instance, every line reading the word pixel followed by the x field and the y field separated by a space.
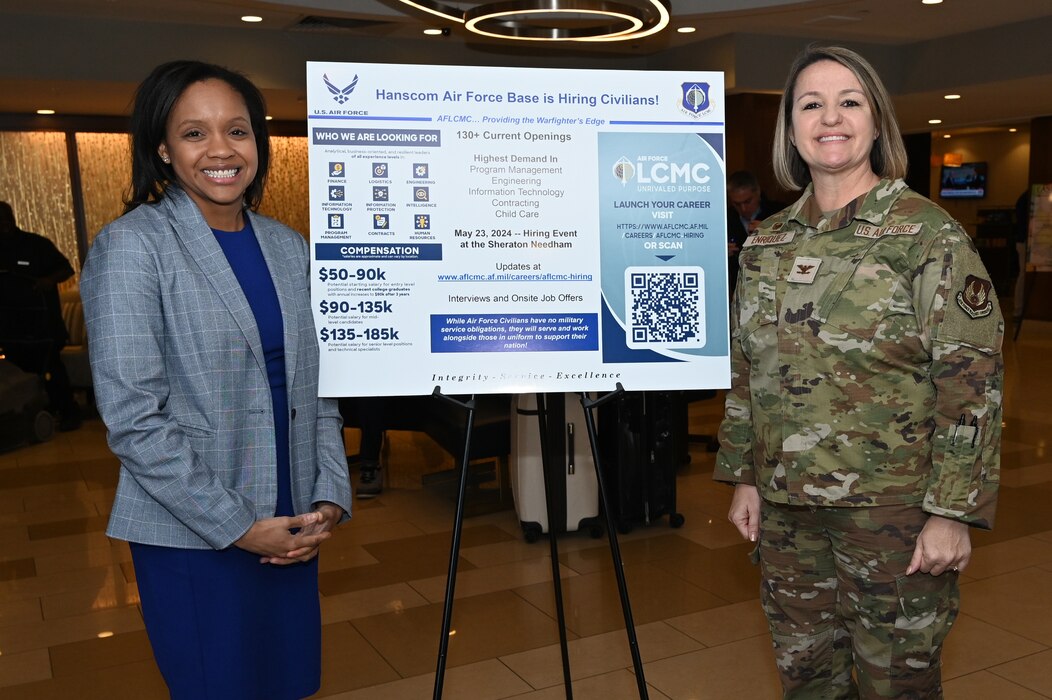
pixel 272 540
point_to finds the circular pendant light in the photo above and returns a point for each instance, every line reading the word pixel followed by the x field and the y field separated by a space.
pixel 557 20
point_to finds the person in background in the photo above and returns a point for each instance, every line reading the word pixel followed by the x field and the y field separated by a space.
pixel 748 207
pixel 862 429
pixel 370 414
pixel 205 363
pixel 32 331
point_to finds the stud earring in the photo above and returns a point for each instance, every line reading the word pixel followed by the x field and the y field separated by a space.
pixel 166 159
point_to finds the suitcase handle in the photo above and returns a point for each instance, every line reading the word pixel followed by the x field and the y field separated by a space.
pixel 570 466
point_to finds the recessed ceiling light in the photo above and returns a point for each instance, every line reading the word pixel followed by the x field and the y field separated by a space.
pixel 268 118
pixel 946 136
pixel 1013 130
pixel 931 2
pixel 45 111
pixel 951 97
pixel 251 18
pixel 433 32
pixel 687 30
pixel 935 121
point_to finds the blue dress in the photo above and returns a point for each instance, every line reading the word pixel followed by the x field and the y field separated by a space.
pixel 221 624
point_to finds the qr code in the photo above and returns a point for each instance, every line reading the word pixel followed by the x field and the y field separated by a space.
pixel 665 306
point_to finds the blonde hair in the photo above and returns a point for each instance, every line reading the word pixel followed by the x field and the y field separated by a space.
pixel 888 157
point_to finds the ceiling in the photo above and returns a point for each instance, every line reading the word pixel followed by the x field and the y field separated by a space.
pixel 86 56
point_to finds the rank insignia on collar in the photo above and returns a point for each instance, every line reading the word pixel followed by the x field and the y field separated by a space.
pixel 805 270
pixel 975 297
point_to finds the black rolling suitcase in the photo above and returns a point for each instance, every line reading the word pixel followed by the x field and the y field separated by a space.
pixel 641 450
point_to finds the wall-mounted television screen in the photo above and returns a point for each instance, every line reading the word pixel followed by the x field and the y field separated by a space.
pixel 965 181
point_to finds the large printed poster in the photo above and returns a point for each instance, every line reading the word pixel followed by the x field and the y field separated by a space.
pixel 1040 228
pixel 499 230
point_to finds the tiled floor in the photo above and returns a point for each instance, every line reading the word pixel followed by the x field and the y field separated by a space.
pixel 70 626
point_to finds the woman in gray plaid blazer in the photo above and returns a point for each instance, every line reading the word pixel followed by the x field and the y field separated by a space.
pixel 205 363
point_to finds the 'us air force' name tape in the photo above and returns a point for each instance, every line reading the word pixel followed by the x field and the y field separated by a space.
pixel 867 231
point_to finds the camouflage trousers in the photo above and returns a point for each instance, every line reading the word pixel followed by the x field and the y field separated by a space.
pixel 845 619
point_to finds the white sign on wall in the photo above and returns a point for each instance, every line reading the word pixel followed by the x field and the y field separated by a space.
pixel 499 230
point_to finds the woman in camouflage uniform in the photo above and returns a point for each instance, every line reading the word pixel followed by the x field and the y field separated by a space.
pixel 862 429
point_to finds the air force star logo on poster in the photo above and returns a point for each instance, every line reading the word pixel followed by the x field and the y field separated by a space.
pixel 341 95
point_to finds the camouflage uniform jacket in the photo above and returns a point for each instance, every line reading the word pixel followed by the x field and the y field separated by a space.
pixel 866 360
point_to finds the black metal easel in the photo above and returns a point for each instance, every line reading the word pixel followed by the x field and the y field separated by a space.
pixel 615 551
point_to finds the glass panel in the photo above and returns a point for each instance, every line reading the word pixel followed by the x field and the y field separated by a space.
pixel 34 180
pixel 287 197
pixel 105 176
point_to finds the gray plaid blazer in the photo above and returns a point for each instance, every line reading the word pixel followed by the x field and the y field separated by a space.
pixel 181 382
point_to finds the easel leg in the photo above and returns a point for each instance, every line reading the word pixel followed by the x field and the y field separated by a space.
pixel 454 553
pixel 615 550
pixel 550 469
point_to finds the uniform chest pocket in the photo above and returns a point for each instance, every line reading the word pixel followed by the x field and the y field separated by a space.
pixel 860 294
pixel 757 303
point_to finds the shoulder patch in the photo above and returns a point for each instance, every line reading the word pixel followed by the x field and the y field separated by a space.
pixel 768 239
pixel 868 231
pixel 974 299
